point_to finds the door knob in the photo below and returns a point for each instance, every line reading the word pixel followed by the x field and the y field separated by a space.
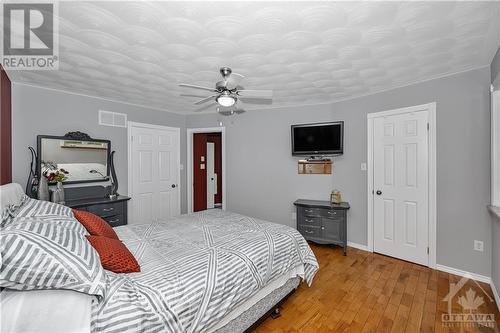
pixel 379 192
pixel 173 185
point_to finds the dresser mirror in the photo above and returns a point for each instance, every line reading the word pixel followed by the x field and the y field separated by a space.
pixel 82 160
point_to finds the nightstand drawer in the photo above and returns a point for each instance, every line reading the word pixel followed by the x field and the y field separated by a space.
pixel 309 231
pixel 311 212
pixel 108 209
pixel 115 220
pixel 308 220
pixel 332 214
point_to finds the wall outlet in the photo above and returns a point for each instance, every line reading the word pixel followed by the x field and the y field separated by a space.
pixel 478 245
pixel 363 167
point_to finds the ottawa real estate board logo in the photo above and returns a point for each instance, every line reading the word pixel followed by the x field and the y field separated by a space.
pixel 30 36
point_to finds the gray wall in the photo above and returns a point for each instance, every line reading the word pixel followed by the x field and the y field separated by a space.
pixel 262 177
pixel 40 111
pixel 495 66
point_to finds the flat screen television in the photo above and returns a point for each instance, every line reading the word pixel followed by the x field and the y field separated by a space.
pixel 326 139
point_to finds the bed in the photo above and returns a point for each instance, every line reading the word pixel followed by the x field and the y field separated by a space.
pixel 212 271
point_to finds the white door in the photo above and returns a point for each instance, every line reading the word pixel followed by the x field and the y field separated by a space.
pixel 154 172
pixel 211 181
pixel 400 183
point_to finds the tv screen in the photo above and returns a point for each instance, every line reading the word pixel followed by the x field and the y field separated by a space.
pixel 318 139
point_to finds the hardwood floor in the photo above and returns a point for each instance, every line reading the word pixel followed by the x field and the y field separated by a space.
pixel 366 292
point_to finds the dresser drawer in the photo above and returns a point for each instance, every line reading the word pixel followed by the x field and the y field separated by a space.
pixel 332 214
pixel 308 220
pixel 309 230
pixel 108 209
pixel 310 212
pixel 115 220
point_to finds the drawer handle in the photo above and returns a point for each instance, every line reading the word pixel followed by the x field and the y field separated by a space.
pixel 308 210
pixel 310 221
pixel 309 232
pixel 108 209
pixel 113 221
pixel 332 213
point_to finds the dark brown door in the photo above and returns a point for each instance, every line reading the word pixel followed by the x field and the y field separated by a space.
pixel 199 171
pixel 5 129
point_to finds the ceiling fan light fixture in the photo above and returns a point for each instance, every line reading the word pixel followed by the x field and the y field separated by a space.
pixel 226 100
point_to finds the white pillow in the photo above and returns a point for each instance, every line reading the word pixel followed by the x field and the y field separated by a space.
pixel 11 194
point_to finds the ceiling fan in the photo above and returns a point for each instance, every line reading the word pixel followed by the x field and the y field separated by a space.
pixel 228 92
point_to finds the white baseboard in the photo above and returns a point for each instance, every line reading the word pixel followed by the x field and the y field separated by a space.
pixel 358 246
pixel 495 294
pixel 459 272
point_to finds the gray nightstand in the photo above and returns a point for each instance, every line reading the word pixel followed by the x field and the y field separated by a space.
pixel 322 222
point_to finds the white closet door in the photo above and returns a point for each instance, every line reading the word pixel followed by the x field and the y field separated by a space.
pixel 400 171
pixel 155 180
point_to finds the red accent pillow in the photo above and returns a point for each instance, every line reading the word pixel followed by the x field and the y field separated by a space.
pixel 114 255
pixel 94 224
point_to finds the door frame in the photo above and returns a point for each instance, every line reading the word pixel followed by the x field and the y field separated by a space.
pixel 432 212
pixel 190 184
pixel 131 124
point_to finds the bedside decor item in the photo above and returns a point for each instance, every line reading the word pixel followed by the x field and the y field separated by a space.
pixel 336 197
pixel 58 194
pixel 52 174
pixel 43 189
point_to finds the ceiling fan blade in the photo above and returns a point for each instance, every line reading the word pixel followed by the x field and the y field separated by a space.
pixel 205 107
pixel 257 94
pixel 206 99
pixel 196 87
pixel 233 80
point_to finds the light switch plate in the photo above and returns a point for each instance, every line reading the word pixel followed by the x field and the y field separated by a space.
pixel 181 166
pixel 202 166
pixel 478 245
pixel 363 166
pixel 203 158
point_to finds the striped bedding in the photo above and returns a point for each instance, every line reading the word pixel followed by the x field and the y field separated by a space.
pixel 195 269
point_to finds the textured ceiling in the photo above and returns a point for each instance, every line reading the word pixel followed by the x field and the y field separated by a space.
pixel 307 52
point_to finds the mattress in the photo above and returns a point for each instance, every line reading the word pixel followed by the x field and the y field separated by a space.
pixel 197 270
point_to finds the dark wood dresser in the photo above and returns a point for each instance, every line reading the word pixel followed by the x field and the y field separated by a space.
pixel 322 222
pixel 93 199
pixel 113 211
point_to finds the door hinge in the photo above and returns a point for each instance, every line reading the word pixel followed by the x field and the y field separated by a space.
pixel 427 250
pixel 428 126
pixel 132 138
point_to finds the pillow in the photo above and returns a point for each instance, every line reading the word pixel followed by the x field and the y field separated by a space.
pixel 114 255
pixel 34 207
pixel 63 221
pixel 9 211
pixel 47 256
pixel 94 224
pixel 11 194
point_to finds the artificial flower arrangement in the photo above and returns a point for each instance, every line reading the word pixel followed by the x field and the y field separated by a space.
pixel 52 173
